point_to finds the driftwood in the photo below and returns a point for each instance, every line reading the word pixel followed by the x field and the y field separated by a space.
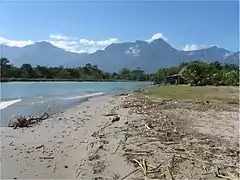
pixel 24 121
pixel 46 157
pixel 111 114
pixel 40 146
pixel 132 172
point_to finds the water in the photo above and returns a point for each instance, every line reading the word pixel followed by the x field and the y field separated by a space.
pixel 31 98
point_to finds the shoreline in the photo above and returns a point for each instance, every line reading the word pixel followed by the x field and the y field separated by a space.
pixel 66 80
pixel 87 141
pixel 35 108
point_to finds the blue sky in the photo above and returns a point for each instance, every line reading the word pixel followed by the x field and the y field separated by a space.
pixel 87 26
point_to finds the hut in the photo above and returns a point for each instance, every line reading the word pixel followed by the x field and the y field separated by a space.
pixel 176 78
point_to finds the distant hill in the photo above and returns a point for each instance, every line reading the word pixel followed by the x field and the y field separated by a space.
pixel 139 54
pixel 233 58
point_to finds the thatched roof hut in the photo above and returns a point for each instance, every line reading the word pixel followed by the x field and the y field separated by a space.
pixel 176 78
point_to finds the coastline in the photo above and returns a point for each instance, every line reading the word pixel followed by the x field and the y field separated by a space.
pixel 65 80
pixel 13 108
pixel 84 143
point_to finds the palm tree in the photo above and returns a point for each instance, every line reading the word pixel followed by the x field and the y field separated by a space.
pixel 231 67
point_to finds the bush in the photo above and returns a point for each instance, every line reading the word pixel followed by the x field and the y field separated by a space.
pixel 231 78
pixel 200 74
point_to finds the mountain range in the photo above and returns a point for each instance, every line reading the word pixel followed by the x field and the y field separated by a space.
pixel 148 56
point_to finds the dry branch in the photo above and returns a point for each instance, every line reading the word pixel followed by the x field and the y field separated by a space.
pixel 170 173
pixel 120 142
pixel 46 157
pixel 111 114
pixel 24 121
pixel 217 174
pixel 130 174
pixel 142 165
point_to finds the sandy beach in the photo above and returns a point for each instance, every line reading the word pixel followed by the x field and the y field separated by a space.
pixel 89 141
pixel 60 147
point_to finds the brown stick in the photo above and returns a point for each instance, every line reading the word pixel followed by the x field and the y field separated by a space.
pixel 221 176
pixel 144 171
pixel 140 154
pixel 139 151
pixel 40 146
pixel 111 114
pixel 183 174
pixel 147 126
pixel 55 166
pixel 120 142
pixel 130 173
pixel 170 173
pixel 46 157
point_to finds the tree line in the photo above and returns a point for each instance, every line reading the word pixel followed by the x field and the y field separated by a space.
pixel 89 72
pixel 198 73
pixel 195 73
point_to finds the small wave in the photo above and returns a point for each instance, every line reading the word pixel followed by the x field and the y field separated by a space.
pixel 84 96
pixel 4 104
pixel 38 102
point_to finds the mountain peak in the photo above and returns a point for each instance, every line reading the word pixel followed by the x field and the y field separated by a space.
pixel 40 44
pixel 158 40
pixel 44 43
pixel 161 44
pixel 214 47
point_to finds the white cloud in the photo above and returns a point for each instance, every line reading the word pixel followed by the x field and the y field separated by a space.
pixel 86 42
pixel 79 45
pixel 15 43
pixel 157 36
pixel 59 37
pixel 107 42
pixel 68 43
pixel 193 47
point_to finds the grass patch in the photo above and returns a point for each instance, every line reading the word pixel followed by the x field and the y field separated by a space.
pixel 183 92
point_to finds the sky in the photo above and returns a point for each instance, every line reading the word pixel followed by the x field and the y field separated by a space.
pixel 86 26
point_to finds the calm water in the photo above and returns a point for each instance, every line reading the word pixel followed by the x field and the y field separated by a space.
pixel 30 98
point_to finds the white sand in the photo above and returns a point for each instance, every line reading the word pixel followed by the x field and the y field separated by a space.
pixel 67 140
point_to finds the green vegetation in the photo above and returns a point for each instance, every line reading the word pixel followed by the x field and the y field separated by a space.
pixel 194 73
pixel 198 75
pixel 201 73
pixel 204 93
pixel 87 73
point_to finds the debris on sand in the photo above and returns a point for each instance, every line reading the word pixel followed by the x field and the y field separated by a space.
pixel 24 121
pixel 46 157
pixel 160 146
pixel 40 146
pixel 115 118
pixel 111 114
pixel 98 167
